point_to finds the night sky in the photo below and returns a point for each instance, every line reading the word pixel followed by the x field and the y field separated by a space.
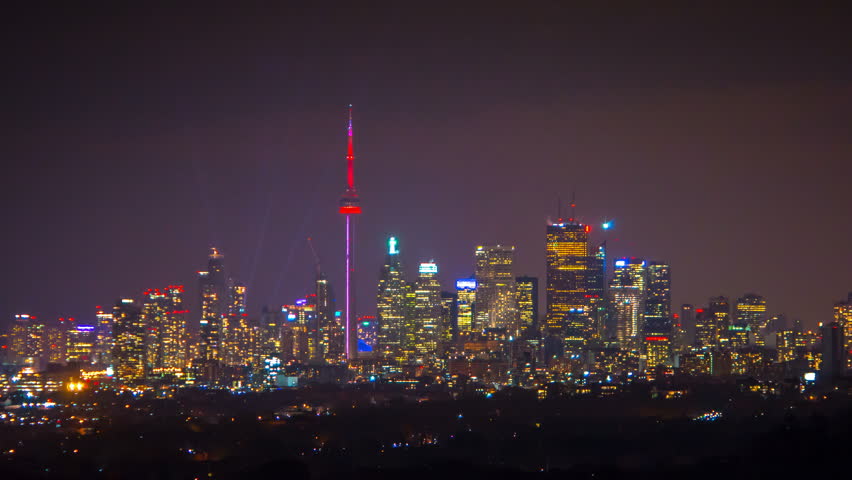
pixel 134 139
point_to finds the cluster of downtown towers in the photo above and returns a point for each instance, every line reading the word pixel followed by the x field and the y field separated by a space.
pixel 492 317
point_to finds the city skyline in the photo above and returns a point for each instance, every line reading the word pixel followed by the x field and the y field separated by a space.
pixel 129 192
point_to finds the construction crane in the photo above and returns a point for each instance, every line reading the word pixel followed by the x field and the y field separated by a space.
pixel 316 257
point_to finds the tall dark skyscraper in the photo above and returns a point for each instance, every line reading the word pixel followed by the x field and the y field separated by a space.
pixel 833 352
pixel 350 206
pixel 567 256
pixel 214 296
pixel 598 310
pixel 449 317
pixel 658 299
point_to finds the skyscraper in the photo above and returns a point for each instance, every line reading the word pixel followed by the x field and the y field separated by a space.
pixel 720 311
pixel 495 291
pixel 427 310
pixel 658 299
pixel 238 339
pixel 164 317
pixel 213 309
pixel 657 336
pixel 81 344
pixel 368 331
pixel 598 309
pixel 687 322
pixel 350 205
pixel 751 313
pixel 391 304
pixel 627 290
pixel 843 317
pixel 466 305
pixel 567 256
pixel 330 331
pixel 833 352
pixel 706 328
pixel 154 308
pixel 527 291
pixel 129 333
pixel 299 319
pixel 28 339
pixel 270 333
pixel 449 317
pixel 104 341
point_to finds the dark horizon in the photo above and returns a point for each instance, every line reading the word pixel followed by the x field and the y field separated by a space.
pixel 716 139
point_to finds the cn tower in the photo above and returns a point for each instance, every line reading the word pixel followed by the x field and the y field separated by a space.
pixel 349 206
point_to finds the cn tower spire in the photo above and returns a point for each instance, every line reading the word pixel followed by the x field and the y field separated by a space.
pixel 350 157
pixel 350 206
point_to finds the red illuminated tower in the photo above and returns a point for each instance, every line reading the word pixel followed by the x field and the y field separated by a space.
pixel 349 206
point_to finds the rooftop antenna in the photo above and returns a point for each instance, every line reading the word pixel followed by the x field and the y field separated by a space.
pixel 573 206
pixel 558 209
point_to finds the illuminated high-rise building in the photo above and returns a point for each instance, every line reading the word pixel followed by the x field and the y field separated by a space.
pixel 55 342
pixel 368 334
pixel 657 350
pixel 495 291
pixel 213 309
pixel 843 317
pixel 466 305
pixel 627 292
pixel 270 333
pixel 568 262
pixel 391 305
pixel 104 341
pixel 427 310
pixel 751 313
pixel 706 328
pixel 300 318
pixel 658 299
pixel 237 333
pixel 175 336
pixel 598 309
pixel 720 310
pixel 164 317
pixel 129 333
pixel 350 206
pixel 154 308
pixel 329 329
pixel 527 301
pixel 28 339
pixel 449 318
pixel 80 346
